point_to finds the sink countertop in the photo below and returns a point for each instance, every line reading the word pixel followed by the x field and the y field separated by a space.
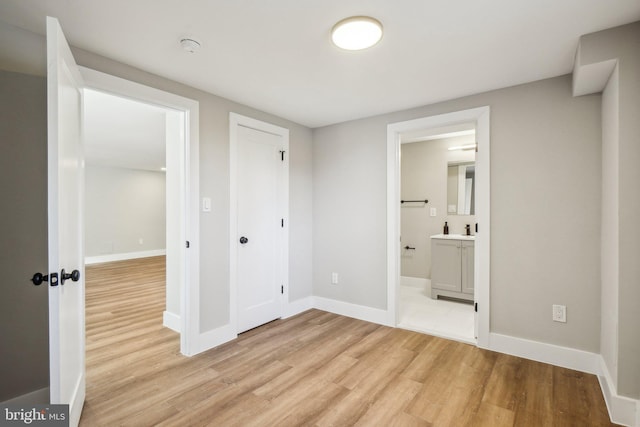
pixel 453 237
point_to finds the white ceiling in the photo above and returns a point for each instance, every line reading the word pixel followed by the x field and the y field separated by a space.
pixel 123 133
pixel 277 56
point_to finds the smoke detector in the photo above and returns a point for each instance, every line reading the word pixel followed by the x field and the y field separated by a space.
pixel 190 45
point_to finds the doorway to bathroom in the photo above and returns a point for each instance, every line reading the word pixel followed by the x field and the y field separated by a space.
pixel 437 231
pixel 438 172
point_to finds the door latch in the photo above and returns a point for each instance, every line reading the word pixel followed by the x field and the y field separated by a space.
pixel 38 278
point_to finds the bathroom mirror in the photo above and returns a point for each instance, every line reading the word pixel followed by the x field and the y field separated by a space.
pixel 461 184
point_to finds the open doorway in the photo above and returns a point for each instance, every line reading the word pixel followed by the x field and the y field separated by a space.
pixel 480 262
pixel 188 205
pixel 437 228
pixel 132 188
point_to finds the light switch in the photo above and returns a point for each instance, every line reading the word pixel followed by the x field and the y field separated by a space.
pixel 432 212
pixel 206 204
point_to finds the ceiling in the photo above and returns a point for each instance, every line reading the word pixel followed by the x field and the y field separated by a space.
pixel 277 55
pixel 123 133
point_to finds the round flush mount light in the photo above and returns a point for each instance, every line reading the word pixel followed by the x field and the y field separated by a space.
pixel 190 45
pixel 356 33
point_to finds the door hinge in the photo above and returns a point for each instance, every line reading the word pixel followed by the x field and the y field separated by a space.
pixel 188 244
pixel 282 289
pixel 476 307
pixel 282 155
pixel 282 223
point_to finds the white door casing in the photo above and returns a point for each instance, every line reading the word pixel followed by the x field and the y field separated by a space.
pixel 191 341
pixel 66 223
pixel 482 260
pixel 259 230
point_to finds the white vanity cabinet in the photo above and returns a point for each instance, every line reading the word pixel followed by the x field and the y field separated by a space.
pixel 452 264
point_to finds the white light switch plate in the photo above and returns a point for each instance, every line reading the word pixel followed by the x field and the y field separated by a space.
pixel 432 211
pixel 206 204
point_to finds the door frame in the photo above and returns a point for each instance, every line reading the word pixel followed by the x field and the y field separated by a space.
pixel 190 229
pixel 482 263
pixel 235 121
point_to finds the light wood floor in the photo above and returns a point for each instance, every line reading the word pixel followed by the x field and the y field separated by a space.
pixel 315 369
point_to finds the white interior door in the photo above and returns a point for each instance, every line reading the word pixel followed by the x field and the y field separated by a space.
pixel 65 187
pixel 259 227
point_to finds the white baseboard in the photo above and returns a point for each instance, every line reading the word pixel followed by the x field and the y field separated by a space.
pixel 171 321
pixel 298 306
pixel 123 256
pixel 564 357
pixel 35 397
pixel 414 282
pixel 215 337
pixel 373 315
pixel 622 410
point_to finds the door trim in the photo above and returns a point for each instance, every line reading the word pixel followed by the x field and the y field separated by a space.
pixel 235 121
pixel 481 116
pixel 190 293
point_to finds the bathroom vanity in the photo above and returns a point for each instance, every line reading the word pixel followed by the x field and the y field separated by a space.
pixel 452 266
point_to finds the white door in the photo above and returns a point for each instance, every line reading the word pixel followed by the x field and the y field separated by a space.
pixel 66 177
pixel 259 227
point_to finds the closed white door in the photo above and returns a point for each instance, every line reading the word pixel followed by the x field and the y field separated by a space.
pixel 259 227
pixel 65 192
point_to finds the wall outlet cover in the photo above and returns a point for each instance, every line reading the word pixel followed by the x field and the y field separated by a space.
pixel 560 313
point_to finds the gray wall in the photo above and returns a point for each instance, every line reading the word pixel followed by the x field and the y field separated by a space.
pixel 545 220
pixel 121 207
pixel 423 174
pixel 610 229
pixel 24 309
pixel 621 201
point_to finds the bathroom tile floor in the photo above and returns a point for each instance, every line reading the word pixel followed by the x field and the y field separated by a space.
pixel 442 318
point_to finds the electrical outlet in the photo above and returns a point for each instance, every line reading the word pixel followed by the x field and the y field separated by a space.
pixel 334 278
pixel 141 241
pixel 560 313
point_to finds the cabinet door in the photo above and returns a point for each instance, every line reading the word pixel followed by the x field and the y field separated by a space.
pixel 445 265
pixel 468 249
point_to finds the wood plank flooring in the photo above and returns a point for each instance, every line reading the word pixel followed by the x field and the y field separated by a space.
pixel 314 369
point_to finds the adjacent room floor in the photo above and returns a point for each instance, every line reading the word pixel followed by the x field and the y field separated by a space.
pixel 314 369
pixel 443 318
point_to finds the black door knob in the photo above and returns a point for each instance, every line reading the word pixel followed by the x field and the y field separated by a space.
pixel 74 276
pixel 243 240
pixel 38 278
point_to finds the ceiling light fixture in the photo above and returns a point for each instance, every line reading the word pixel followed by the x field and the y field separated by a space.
pixel 190 45
pixel 356 33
